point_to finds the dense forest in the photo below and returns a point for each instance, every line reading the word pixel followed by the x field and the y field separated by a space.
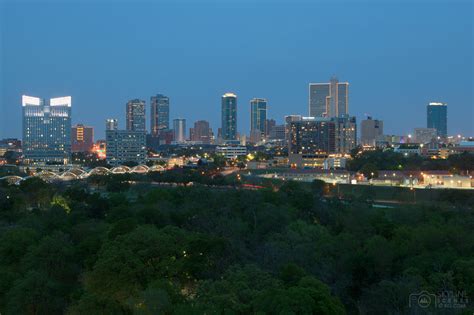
pixel 121 248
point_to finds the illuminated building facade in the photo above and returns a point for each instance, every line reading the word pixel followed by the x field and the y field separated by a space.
pixel 46 129
pixel 179 129
pixel 136 115
pixel 159 114
pixel 201 132
pixel 82 138
pixel 311 141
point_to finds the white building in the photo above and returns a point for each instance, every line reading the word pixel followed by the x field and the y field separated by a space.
pixel 231 152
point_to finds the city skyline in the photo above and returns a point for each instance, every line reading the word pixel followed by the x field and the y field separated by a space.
pixel 402 76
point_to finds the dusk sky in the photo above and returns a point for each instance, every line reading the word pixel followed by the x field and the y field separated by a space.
pixel 396 55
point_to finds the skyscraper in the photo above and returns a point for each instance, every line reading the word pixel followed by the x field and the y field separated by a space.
pixel 437 118
pixel 159 113
pixel 201 132
pixel 46 129
pixel 136 115
pixel 229 117
pixel 329 99
pixel 179 129
pixel 258 116
pixel 82 138
pixel 371 131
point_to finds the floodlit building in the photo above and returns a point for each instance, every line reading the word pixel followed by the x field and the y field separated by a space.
pixel 46 129
pixel 82 138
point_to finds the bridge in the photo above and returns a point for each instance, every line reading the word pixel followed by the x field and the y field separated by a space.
pixel 80 173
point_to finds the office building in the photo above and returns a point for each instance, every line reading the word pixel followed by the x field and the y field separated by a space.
pixel 82 138
pixel 179 129
pixel 288 120
pixel 258 118
pixel 229 117
pixel 201 132
pixel 437 118
pixel 311 141
pixel 159 114
pixel 346 134
pixel 136 115
pixel 371 131
pixel 329 99
pixel 231 151
pixel 269 126
pixel 123 146
pixel 277 132
pixel 424 135
pixel 46 129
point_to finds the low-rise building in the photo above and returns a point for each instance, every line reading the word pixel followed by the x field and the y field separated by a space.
pixel 231 152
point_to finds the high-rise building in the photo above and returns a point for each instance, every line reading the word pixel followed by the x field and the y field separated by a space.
pixel 288 120
pixel 311 141
pixel 136 115
pixel 437 118
pixel 329 99
pixel 425 135
pixel 201 132
pixel 229 117
pixel 346 134
pixel 270 123
pixel 124 146
pixel 46 129
pixel 159 113
pixel 179 129
pixel 371 131
pixel 82 138
pixel 258 116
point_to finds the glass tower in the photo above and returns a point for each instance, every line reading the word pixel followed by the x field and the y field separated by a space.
pixel 329 99
pixel 46 129
pixel 159 113
pixel 136 115
pixel 229 117
pixel 258 115
pixel 437 118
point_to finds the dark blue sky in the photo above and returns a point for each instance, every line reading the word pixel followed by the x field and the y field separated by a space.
pixel 396 55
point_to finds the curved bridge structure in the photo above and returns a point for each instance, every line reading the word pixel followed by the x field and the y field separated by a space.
pixel 80 173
